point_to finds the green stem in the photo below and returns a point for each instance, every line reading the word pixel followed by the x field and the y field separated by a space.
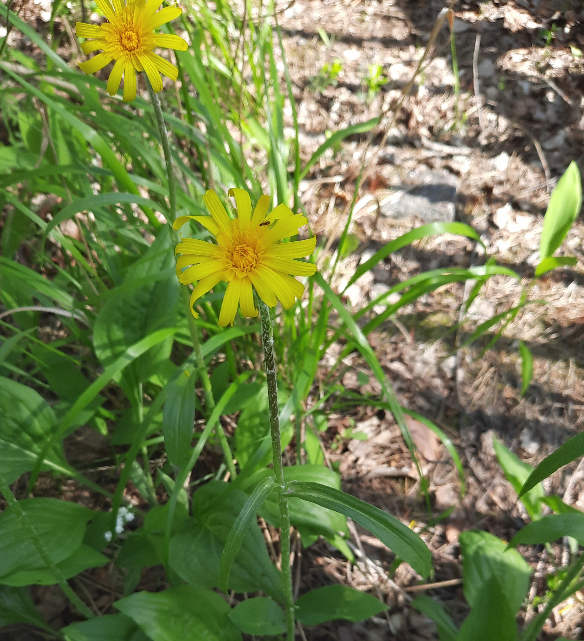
pixel 201 367
pixel 272 381
pixel 563 592
pixel 36 540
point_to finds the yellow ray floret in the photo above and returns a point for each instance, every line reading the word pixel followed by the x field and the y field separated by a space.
pixel 248 254
pixel 128 39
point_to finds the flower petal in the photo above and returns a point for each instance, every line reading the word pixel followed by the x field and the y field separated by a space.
pixel 95 64
pixel 170 41
pixel 203 286
pixel 230 303
pixel 260 278
pixel 206 221
pixel 194 246
pixel 89 46
pixel 243 202
pixel 198 272
pixel 246 299
pixel 287 289
pixel 165 67
pixel 150 8
pixel 293 249
pixel 129 82
pixel 261 209
pixel 162 17
pixel 284 228
pixel 151 71
pixel 216 209
pixel 279 212
pixel 287 266
pixel 107 9
pixel 84 30
pixel 113 83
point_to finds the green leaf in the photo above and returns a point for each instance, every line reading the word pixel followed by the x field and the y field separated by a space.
pixel 551 262
pixel 484 557
pixel 183 613
pixel 260 616
pixel 84 558
pixel 178 419
pixel 195 551
pixel 252 426
pixel 59 524
pixel 564 207
pixel 393 533
pixel 447 631
pixel 516 472
pixel 526 366
pixel 16 606
pixel 571 450
pixel 336 138
pixel 333 602
pixel 491 617
pixel 135 314
pixel 558 506
pixel 432 229
pixel 241 527
pixel 551 527
pixel 26 425
pixel 108 627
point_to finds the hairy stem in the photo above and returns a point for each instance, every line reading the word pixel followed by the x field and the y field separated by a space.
pixel 270 365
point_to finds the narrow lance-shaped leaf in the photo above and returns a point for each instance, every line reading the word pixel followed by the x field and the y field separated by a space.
pixel 241 526
pixel 526 367
pixel 407 545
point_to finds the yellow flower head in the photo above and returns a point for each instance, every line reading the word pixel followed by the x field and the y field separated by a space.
pixel 129 38
pixel 248 254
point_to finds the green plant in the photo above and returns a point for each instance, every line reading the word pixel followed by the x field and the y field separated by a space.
pixel 327 76
pixel 375 80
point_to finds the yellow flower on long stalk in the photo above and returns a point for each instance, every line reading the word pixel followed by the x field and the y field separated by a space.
pixel 248 255
pixel 128 38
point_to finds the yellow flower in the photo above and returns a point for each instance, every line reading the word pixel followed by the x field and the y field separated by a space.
pixel 129 38
pixel 248 254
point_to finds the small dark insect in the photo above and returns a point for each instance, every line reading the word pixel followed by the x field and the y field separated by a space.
pixel 265 223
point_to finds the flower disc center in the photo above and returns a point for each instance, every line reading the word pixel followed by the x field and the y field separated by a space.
pixel 129 40
pixel 244 258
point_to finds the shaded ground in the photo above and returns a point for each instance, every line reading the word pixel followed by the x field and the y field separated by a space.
pixel 516 124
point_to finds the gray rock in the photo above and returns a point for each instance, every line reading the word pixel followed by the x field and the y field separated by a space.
pixel 428 194
pixel 486 68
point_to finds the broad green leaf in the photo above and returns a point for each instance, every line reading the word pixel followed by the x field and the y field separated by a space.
pixel 260 616
pixel 484 557
pixel 333 602
pixel 571 450
pixel 241 526
pixel 551 262
pixel 551 527
pixel 447 631
pixel 526 366
pixel 16 606
pixel 558 506
pixel 195 551
pixel 516 472
pixel 83 558
pixel 183 613
pixel 564 207
pixel 132 316
pixel 26 425
pixel 491 617
pixel 252 426
pixel 60 526
pixel 393 533
pixel 108 627
pixel 179 418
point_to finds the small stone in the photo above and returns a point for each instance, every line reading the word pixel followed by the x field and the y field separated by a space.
pixel 556 142
pixel 501 162
pixel 528 442
pixel 460 26
pixel 486 68
pixel 502 215
pixel 448 366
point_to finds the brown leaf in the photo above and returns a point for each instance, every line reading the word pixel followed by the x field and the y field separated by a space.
pixel 424 439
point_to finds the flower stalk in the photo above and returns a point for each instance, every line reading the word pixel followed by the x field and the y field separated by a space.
pixel 272 381
pixel 201 367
